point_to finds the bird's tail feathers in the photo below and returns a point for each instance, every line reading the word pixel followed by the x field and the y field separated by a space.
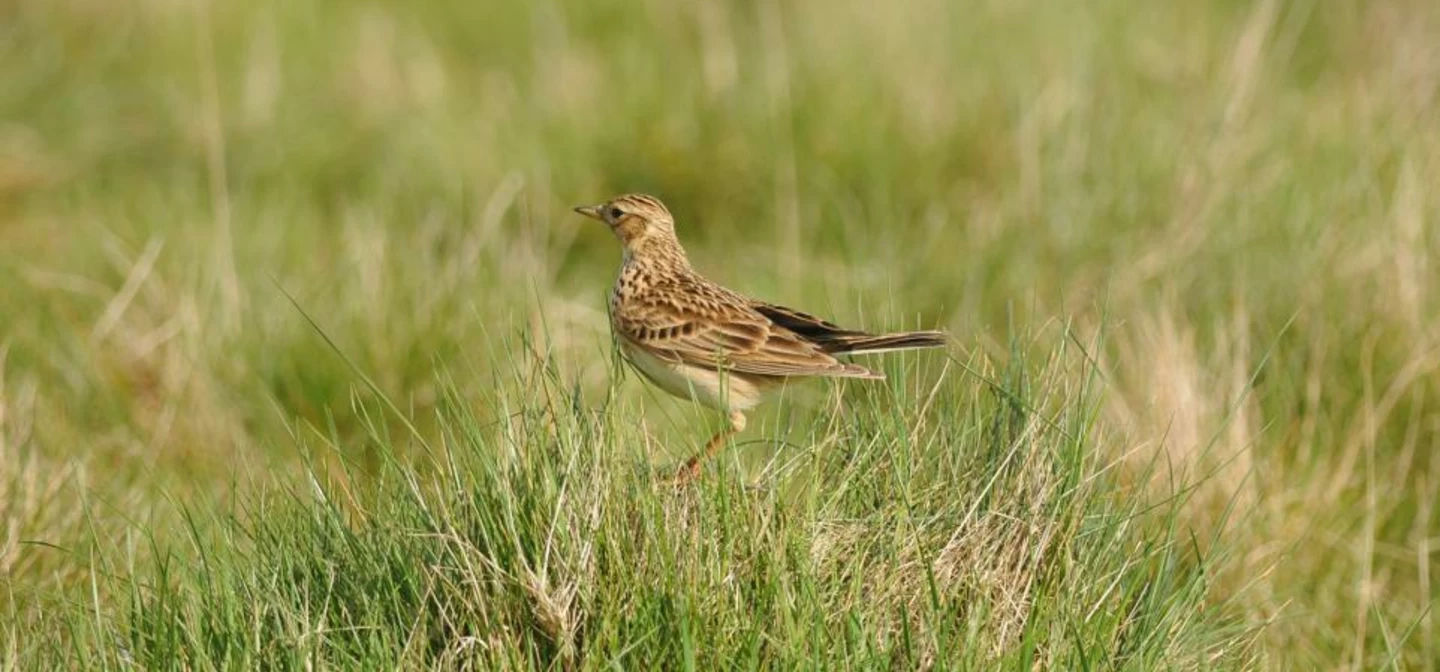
pixel 865 344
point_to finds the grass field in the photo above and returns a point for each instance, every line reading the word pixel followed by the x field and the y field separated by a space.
pixel 303 357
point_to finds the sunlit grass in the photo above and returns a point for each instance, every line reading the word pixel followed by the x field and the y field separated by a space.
pixel 975 527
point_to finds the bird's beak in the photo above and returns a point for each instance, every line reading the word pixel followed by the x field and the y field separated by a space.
pixel 591 211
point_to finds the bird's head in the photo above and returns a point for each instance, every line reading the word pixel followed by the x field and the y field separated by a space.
pixel 634 218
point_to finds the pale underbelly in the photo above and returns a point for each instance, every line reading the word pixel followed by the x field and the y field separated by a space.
pixel 725 392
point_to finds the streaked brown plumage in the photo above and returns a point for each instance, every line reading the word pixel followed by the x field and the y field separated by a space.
pixel 696 339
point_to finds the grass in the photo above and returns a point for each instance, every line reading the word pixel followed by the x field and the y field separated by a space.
pixel 908 536
pixel 1187 252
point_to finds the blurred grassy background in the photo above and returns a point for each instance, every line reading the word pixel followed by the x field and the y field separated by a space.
pixel 1243 192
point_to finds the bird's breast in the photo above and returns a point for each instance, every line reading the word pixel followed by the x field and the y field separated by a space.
pixel 710 387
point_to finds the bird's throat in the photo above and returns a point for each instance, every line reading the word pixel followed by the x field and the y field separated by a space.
pixel 658 253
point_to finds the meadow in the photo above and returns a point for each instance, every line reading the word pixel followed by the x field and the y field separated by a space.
pixel 304 359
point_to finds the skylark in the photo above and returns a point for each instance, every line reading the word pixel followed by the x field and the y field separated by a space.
pixel 698 340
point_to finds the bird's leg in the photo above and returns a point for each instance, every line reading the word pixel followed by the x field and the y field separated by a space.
pixel 691 469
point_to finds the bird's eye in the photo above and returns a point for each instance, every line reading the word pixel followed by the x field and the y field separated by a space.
pixel 615 213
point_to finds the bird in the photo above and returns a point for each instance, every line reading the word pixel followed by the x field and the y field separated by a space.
pixel 696 339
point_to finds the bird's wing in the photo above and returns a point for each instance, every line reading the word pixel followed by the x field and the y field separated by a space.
pixel 836 340
pixel 828 336
pixel 717 329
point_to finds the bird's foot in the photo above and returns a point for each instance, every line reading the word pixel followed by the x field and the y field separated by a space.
pixel 685 475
